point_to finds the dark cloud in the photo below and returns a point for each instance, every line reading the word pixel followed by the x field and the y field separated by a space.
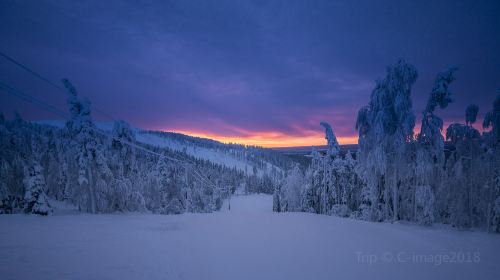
pixel 239 67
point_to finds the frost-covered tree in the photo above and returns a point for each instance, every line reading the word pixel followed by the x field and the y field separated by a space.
pixel 277 198
pixel 93 171
pixel 491 196
pixel 386 128
pixel 398 176
pixel 332 144
pixel 441 95
pixel 471 114
pixel 292 191
pixel 170 178
pixel 4 166
pixel 15 155
pixel 486 180
pixel 313 183
pixel 331 184
pixel 35 198
pixel 466 158
pixel 329 189
pixel 492 120
pixel 430 137
pixel 124 191
pixel 424 205
pixel 340 189
pixel 429 158
pixel 363 123
pixel 122 135
pixel 495 219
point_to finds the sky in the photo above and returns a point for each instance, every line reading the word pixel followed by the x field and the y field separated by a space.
pixel 251 72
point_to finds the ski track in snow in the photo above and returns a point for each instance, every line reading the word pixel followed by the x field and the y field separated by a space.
pixel 248 242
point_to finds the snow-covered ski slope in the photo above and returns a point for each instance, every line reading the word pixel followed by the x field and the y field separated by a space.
pixel 218 156
pixel 217 152
pixel 248 242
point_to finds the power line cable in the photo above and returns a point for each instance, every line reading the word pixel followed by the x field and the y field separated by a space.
pixel 51 108
pixel 8 89
pixel 34 73
pixel 29 70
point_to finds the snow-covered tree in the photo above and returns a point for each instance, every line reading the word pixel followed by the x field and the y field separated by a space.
pixel 331 185
pixel 471 114
pixel 466 157
pixel 492 120
pixel 170 178
pixel 491 196
pixel 430 137
pixel 332 144
pixel 441 95
pixel 122 135
pixel 93 171
pixel 124 191
pixel 292 191
pixel 430 158
pixel 424 205
pixel 313 183
pixel 385 129
pixel 277 198
pixel 35 199
pixel 495 221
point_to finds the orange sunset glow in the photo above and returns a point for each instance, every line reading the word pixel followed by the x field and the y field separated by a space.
pixel 273 139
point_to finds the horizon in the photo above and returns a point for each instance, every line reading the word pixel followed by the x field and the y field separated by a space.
pixel 318 138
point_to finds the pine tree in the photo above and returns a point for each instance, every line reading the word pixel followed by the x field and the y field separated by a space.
pixel 170 184
pixel 35 199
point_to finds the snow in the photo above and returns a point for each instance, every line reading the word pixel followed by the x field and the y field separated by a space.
pixel 261 203
pixel 212 155
pixel 248 242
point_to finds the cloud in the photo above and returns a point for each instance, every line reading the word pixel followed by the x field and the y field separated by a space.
pixel 248 69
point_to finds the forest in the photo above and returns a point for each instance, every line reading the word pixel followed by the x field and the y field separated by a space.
pixel 398 174
pixel 395 175
pixel 101 172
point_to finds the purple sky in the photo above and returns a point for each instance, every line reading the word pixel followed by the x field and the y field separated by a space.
pixel 268 70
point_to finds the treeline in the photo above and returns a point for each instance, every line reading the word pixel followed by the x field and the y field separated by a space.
pixel 103 172
pixel 400 175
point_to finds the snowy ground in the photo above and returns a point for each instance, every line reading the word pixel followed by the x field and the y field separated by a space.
pixel 248 242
